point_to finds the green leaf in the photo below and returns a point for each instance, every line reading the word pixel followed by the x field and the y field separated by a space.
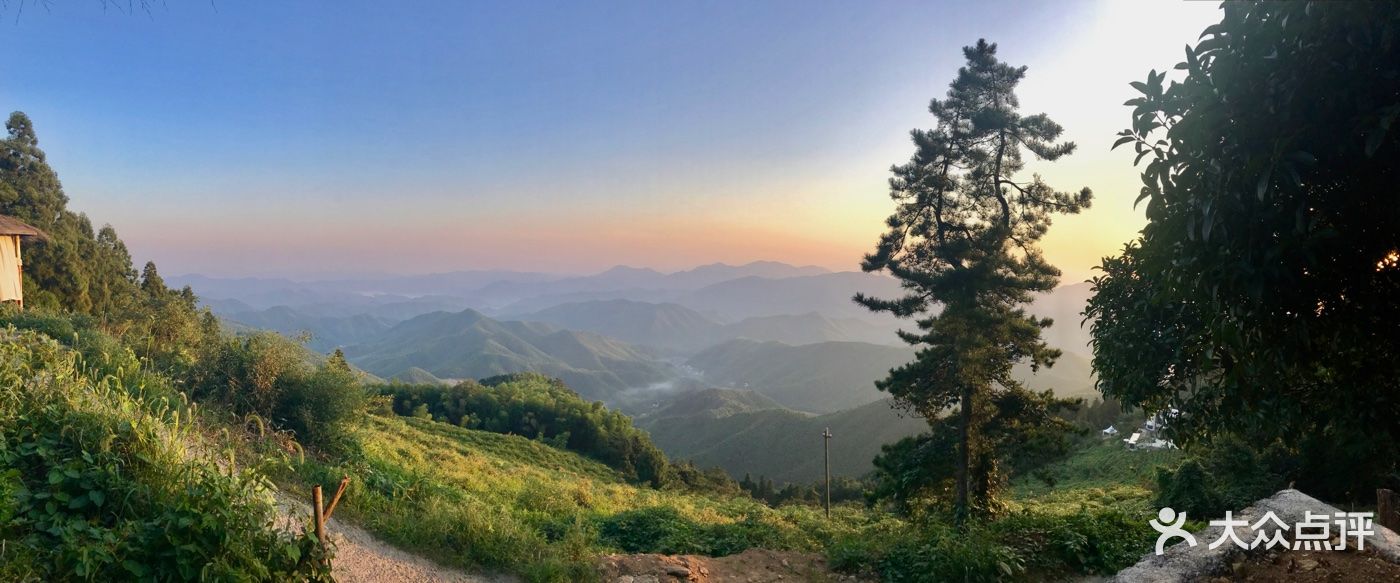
pixel 1263 186
pixel 135 568
pixel 1144 194
pixel 1121 141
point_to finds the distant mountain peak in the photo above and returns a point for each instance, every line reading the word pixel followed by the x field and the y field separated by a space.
pixel 629 270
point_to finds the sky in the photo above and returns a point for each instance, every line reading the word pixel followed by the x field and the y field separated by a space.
pixel 309 139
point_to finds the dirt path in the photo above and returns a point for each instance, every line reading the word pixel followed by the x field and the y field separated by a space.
pixel 362 558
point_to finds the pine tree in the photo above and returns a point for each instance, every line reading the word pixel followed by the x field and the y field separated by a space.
pixel 77 269
pixel 963 238
pixel 151 281
pixel 337 361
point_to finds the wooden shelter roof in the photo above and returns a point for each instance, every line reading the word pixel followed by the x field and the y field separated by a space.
pixel 13 226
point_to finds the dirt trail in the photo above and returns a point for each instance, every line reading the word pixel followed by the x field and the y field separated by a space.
pixel 362 558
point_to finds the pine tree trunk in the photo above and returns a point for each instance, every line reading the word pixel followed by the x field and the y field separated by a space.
pixel 962 474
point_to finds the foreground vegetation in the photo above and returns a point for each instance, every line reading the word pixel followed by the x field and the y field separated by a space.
pixel 478 499
pixel 193 482
pixel 104 475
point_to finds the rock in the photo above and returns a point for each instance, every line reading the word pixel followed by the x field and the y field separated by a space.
pixel 623 579
pixel 786 563
pixel 678 572
pixel 646 579
pixel 1307 565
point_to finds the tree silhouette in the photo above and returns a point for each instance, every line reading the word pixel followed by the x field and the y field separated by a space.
pixel 963 242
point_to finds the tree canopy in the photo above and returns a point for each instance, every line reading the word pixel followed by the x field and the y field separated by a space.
pixel 538 407
pixel 88 272
pixel 1260 297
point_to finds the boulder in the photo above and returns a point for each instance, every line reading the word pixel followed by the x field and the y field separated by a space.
pixel 1182 563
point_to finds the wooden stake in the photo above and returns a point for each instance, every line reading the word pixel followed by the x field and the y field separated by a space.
pixel 826 455
pixel 1388 509
pixel 318 515
pixel 344 481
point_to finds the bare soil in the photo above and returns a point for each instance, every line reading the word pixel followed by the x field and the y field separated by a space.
pixel 751 566
pixel 1311 567
pixel 360 557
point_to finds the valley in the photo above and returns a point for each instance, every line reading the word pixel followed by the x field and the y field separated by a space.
pixel 732 367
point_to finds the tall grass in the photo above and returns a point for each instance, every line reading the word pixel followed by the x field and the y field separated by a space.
pixel 103 482
pixel 477 499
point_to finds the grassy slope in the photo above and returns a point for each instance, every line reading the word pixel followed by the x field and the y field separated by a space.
pixel 140 478
pixel 1097 474
pixel 478 499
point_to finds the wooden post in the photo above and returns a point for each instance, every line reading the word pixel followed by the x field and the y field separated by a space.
pixel 344 481
pixel 318 514
pixel 826 455
pixel 1388 509
pixel 19 266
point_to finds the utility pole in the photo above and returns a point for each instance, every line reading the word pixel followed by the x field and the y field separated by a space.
pixel 826 454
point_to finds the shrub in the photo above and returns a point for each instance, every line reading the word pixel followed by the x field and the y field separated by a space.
pixel 1088 542
pixel 319 406
pixel 1226 474
pixel 98 484
pixel 267 375
pixel 939 554
pixel 658 529
pixel 1022 545
pixel 662 529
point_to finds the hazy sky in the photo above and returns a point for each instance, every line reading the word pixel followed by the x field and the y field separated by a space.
pixel 309 138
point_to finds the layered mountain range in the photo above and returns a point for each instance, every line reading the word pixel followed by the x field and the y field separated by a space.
pixel 726 365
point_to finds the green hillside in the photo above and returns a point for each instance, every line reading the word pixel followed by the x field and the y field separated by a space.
pixel 1099 464
pixel 782 444
pixel 469 345
pixel 822 377
pixel 478 499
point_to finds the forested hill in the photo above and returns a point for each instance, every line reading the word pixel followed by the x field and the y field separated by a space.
pixel 469 345
pixel 748 435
